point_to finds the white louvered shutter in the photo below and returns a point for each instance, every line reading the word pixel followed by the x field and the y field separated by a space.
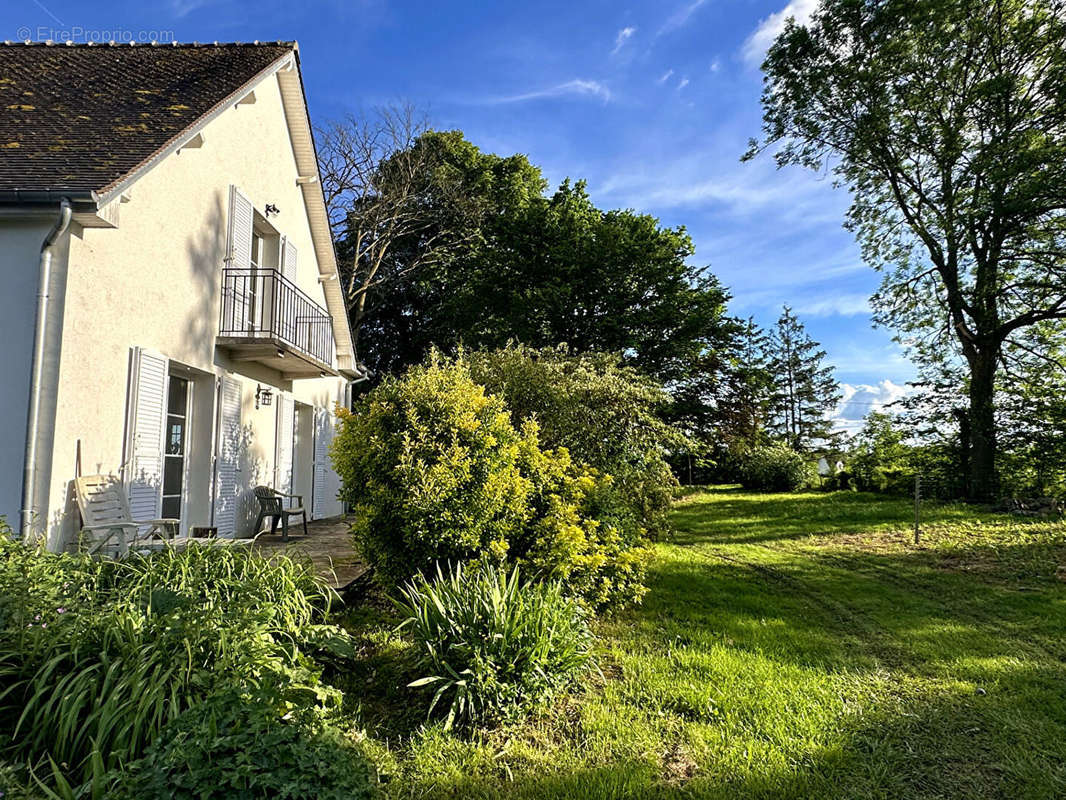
pixel 241 214
pixel 283 446
pixel 227 457
pixel 288 258
pixel 237 287
pixel 323 472
pixel 145 420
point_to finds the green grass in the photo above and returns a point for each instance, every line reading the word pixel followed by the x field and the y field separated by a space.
pixel 791 646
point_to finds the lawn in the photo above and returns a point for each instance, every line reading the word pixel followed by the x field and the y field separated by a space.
pixel 790 646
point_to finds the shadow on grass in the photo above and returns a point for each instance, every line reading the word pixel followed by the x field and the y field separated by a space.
pixel 728 515
pixel 785 671
pixel 820 682
pixel 951 745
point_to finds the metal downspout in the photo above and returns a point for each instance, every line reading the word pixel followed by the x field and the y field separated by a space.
pixel 33 420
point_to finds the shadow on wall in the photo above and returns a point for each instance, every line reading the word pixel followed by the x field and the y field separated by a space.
pixel 234 492
pixel 254 470
pixel 206 252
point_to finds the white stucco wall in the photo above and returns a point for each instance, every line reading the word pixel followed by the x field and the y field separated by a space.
pixel 155 282
pixel 20 247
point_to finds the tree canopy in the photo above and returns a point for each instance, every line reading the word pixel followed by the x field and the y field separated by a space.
pixel 540 269
pixel 947 121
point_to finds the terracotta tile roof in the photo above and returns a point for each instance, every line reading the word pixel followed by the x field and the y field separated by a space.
pixel 82 117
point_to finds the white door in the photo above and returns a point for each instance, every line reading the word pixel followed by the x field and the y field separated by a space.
pixel 283 450
pixel 145 419
pixel 323 471
pixel 227 457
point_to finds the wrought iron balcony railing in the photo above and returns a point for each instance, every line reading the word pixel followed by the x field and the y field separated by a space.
pixel 262 305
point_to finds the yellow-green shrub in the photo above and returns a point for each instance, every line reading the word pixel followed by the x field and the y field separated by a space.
pixel 436 471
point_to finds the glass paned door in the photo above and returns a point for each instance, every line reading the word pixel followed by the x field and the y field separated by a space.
pixel 175 446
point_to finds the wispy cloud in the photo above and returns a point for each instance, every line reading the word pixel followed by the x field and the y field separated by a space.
pixel 576 88
pixel 716 64
pixel 679 18
pixel 622 37
pixel 682 84
pixel 845 305
pixel 666 76
pixel 182 8
pixel 760 40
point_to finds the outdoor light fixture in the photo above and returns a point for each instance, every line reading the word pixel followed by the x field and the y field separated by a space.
pixel 263 397
pixel 271 209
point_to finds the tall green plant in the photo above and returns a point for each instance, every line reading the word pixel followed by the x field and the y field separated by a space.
pixel 96 658
pixel 492 643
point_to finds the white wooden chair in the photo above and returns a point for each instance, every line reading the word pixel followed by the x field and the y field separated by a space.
pixel 109 528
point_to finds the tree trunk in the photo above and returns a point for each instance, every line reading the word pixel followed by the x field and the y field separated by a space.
pixel 983 484
pixel 961 483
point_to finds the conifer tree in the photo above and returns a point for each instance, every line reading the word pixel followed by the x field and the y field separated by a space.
pixel 804 390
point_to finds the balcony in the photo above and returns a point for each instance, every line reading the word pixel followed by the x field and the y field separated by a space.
pixel 268 320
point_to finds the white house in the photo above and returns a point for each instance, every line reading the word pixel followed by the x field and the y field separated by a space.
pixel 171 310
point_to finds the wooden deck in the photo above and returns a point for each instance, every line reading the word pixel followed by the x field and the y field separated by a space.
pixel 328 544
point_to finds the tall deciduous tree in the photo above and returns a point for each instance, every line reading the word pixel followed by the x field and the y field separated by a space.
pixel 385 187
pixel 542 270
pixel 947 120
pixel 804 390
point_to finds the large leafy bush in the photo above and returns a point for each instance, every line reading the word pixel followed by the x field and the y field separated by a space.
pixel 243 748
pixel 774 468
pixel 605 414
pixel 97 658
pixel 491 643
pixel 436 471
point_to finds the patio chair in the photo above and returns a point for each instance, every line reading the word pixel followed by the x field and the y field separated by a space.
pixel 272 507
pixel 109 528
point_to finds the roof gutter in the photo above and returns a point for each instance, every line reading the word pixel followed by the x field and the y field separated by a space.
pixel 40 345
pixel 51 196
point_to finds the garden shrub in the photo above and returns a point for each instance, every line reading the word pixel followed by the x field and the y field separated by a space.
pixel 492 644
pixel 581 531
pixel 235 746
pixel 96 657
pixel 436 471
pixel 774 468
pixel 605 414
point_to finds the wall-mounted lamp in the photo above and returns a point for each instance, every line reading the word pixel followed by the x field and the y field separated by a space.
pixel 271 209
pixel 263 396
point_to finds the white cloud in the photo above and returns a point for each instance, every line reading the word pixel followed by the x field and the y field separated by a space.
pixel 860 399
pixel 708 175
pixel 844 305
pixel 682 84
pixel 760 40
pixel 716 64
pixel 577 87
pixel 679 18
pixel 666 76
pixel 623 36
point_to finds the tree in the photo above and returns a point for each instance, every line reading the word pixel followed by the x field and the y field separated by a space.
pixel 384 185
pixel 541 270
pixel 747 388
pixel 426 298
pixel 804 390
pixel 947 121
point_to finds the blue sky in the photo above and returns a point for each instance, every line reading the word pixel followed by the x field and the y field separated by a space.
pixel 651 102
